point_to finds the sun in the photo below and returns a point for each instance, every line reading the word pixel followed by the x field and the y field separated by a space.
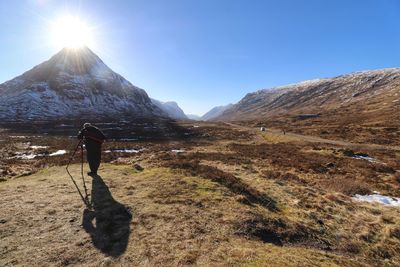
pixel 71 32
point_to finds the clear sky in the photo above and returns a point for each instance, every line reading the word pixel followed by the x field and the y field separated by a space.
pixel 204 53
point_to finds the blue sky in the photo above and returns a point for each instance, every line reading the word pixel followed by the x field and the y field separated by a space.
pixel 204 53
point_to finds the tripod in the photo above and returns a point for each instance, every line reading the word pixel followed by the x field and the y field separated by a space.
pixel 85 198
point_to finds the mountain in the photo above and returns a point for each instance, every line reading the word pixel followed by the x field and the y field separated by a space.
pixel 193 117
pixel 74 83
pixel 215 112
pixel 368 97
pixel 171 108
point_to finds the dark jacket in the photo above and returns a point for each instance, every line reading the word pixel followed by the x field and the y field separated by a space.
pixel 91 135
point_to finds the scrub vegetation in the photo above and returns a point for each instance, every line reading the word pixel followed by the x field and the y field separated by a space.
pixel 227 195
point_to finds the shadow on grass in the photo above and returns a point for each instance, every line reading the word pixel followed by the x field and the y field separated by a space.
pixel 231 182
pixel 108 224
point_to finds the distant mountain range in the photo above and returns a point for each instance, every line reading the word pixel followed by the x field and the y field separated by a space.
pixel 215 112
pixel 171 108
pixel 193 117
pixel 368 96
pixel 75 83
pixel 210 115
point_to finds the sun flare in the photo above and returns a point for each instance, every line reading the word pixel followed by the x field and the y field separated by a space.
pixel 71 32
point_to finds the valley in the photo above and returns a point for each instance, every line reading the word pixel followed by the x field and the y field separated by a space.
pixel 199 133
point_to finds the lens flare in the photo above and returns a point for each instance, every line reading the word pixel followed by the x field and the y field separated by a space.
pixel 71 32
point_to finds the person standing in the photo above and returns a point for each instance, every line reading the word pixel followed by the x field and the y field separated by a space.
pixel 93 138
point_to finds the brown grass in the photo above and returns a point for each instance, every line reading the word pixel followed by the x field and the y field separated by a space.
pixel 330 170
pixel 224 201
pixel 346 185
pixel 281 232
pixel 283 176
pixel 234 184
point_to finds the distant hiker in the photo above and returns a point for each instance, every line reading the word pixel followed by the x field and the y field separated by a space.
pixel 262 129
pixel 93 138
pixel 284 132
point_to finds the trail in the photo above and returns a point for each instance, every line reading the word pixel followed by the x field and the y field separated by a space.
pixel 310 138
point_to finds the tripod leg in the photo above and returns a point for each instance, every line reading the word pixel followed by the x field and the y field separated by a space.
pixel 87 204
pixel 84 183
pixel 73 154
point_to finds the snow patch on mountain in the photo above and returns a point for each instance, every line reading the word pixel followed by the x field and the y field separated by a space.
pixel 317 95
pixel 73 83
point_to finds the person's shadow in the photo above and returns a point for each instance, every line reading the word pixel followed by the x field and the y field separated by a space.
pixel 108 224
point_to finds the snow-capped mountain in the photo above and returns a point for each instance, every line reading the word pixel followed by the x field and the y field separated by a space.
pixel 74 83
pixel 171 108
pixel 215 112
pixel 374 95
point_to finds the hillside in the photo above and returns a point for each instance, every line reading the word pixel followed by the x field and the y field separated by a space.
pixel 171 108
pixel 74 83
pixel 215 112
pixel 361 107
pixel 373 92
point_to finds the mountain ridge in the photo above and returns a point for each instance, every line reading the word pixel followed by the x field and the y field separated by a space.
pixel 318 95
pixel 73 83
pixel 171 108
pixel 215 112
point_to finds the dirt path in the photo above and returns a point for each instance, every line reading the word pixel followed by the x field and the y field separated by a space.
pixel 311 139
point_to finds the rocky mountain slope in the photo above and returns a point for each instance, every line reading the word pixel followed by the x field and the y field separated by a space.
pixel 171 108
pixel 215 112
pixel 370 96
pixel 74 83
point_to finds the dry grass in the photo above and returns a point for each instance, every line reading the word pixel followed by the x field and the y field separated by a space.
pixel 274 138
pixel 346 185
pixel 330 170
pixel 224 201
pixel 176 220
pixel 228 180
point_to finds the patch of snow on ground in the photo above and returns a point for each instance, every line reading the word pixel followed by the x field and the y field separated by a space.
pixel 58 153
pixel 24 156
pixel 370 159
pixel 39 147
pixel 376 197
pixel 178 150
pixel 124 151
